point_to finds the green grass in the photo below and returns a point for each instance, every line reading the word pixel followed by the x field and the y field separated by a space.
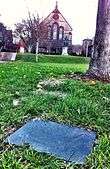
pixel 86 105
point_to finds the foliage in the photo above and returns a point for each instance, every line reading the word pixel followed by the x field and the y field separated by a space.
pixel 86 104
pixel 30 30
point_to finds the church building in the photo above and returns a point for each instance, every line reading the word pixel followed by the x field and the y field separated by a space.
pixel 59 33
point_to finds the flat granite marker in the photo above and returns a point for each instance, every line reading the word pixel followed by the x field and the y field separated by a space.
pixel 67 143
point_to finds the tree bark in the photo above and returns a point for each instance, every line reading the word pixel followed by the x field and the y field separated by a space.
pixel 99 67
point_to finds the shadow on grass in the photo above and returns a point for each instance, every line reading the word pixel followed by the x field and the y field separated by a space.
pixel 63 59
pixel 29 57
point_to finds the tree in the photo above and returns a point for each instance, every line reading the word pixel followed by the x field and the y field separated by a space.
pixel 31 31
pixel 99 67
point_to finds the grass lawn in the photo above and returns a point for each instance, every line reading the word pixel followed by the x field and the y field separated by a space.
pixel 86 104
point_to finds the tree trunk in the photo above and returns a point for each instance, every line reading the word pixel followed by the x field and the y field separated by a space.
pixel 99 67
pixel 37 47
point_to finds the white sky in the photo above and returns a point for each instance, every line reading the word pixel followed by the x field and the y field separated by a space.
pixel 81 14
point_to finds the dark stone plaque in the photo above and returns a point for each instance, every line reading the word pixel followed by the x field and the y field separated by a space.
pixel 65 142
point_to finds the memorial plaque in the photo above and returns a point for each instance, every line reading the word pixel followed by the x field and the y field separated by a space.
pixel 7 56
pixel 68 143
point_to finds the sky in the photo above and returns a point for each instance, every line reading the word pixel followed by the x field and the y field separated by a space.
pixel 81 14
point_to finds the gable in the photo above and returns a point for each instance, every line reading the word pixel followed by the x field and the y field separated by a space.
pixel 58 18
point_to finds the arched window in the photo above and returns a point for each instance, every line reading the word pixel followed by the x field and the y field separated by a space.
pixel 70 36
pixel 49 32
pixel 61 33
pixel 55 31
pixel 66 40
